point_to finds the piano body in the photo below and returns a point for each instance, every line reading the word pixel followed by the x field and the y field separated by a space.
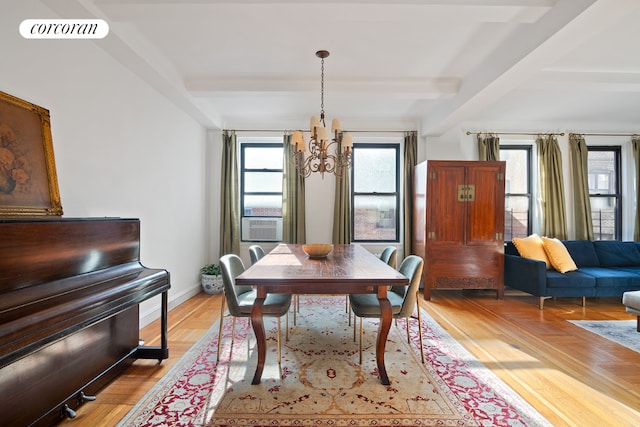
pixel 70 291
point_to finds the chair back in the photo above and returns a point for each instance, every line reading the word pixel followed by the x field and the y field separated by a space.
pixel 255 252
pixel 389 256
pixel 411 267
pixel 232 266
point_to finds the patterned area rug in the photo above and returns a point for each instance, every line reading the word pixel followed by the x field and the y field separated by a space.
pixel 320 381
pixel 622 332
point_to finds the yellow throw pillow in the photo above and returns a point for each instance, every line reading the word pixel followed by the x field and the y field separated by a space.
pixel 558 255
pixel 531 247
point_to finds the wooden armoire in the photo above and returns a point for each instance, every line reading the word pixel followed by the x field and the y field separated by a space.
pixel 459 224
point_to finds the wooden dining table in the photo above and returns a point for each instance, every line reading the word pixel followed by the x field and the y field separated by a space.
pixel 348 269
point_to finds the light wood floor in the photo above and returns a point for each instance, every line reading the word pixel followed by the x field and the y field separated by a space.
pixel 571 376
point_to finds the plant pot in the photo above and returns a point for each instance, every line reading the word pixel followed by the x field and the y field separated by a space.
pixel 211 285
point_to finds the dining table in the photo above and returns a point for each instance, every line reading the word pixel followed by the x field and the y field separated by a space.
pixel 348 269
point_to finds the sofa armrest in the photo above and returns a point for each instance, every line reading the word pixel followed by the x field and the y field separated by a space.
pixel 528 275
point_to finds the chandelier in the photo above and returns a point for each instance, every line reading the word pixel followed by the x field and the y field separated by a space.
pixel 324 154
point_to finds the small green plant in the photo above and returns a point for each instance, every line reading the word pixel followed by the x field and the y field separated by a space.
pixel 211 270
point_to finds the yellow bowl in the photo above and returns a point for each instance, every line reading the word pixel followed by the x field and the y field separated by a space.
pixel 317 250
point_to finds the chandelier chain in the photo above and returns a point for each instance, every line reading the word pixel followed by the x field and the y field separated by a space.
pixel 322 90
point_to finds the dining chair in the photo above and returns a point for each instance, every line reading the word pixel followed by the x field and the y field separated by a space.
pixel 388 255
pixel 239 299
pixel 403 299
pixel 255 253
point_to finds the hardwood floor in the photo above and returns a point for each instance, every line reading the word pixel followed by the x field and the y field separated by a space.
pixel 571 376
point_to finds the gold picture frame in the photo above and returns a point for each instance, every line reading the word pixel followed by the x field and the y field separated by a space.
pixel 28 179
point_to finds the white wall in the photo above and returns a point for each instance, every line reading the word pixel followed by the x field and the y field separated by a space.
pixel 121 149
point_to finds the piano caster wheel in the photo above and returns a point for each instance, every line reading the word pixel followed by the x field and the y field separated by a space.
pixel 67 412
pixel 84 398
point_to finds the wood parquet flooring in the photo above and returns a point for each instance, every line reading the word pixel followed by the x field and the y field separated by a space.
pixel 571 376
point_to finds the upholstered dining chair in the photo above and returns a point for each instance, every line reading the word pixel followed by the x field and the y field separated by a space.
pixel 388 255
pixel 403 299
pixel 255 253
pixel 240 299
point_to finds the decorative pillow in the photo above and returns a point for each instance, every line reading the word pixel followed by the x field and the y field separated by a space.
pixel 558 255
pixel 531 247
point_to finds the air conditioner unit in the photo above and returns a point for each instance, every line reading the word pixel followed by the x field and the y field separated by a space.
pixel 263 229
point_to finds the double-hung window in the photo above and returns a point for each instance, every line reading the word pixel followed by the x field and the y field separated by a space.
pixel 603 167
pixel 261 191
pixel 375 202
pixel 518 190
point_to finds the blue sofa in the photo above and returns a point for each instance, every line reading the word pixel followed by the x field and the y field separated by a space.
pixel 606 268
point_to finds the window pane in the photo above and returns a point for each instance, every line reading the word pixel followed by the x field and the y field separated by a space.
pixel 374 218
pixel 516 217
pixel 374 170
pixel 517 170
pixel 603 215
pixel 261 182
pixel 263 158
pixel 602 172
pixel 262 205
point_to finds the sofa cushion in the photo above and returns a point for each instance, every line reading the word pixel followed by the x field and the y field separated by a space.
pixel 572 279
pixel 558 255
pixel 614 278
pixel 613 253
pixel 531 247
pixel 583 252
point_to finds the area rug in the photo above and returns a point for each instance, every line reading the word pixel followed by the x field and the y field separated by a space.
pixel 622 332
pixel 321 383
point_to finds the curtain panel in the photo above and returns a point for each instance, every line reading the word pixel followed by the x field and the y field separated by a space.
pixel 488 147
pixel 293 199
pixel 554 221
pixel 342 209
pixel 635 145
pixel 579 153
pixel 229 196
pixel 410 162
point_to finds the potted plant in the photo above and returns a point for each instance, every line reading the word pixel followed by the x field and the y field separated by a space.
pixel 211 280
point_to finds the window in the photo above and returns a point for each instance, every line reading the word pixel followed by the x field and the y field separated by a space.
pixel 603 165
pixel 517 221
pixel 261 191
pixel 375 202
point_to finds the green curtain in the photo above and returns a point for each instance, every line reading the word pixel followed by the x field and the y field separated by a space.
pixel 342 208
pixel 293 199
pixel 581 201
pixel 410 161
pixel 635 144
pixel 488 147
pixel 229 196
pixel 554 221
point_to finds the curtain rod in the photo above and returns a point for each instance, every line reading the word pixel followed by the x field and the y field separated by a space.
pixel 603 134
pixel 289 130
pixel 517 133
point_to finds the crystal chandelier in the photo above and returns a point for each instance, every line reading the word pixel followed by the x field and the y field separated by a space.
pixel 324 154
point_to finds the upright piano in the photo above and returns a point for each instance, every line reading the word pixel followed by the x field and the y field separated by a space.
pixel 70 291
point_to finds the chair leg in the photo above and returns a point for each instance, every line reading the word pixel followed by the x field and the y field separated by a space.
pixel 295 310
pixel 408 337
pixel 286 334
pixel 224 298
pixel 233 330
pixel 420 329
pixel 279 344
pixel 361 333
pixel 354 327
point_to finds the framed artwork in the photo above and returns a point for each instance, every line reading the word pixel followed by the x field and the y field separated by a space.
pixel 28 180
